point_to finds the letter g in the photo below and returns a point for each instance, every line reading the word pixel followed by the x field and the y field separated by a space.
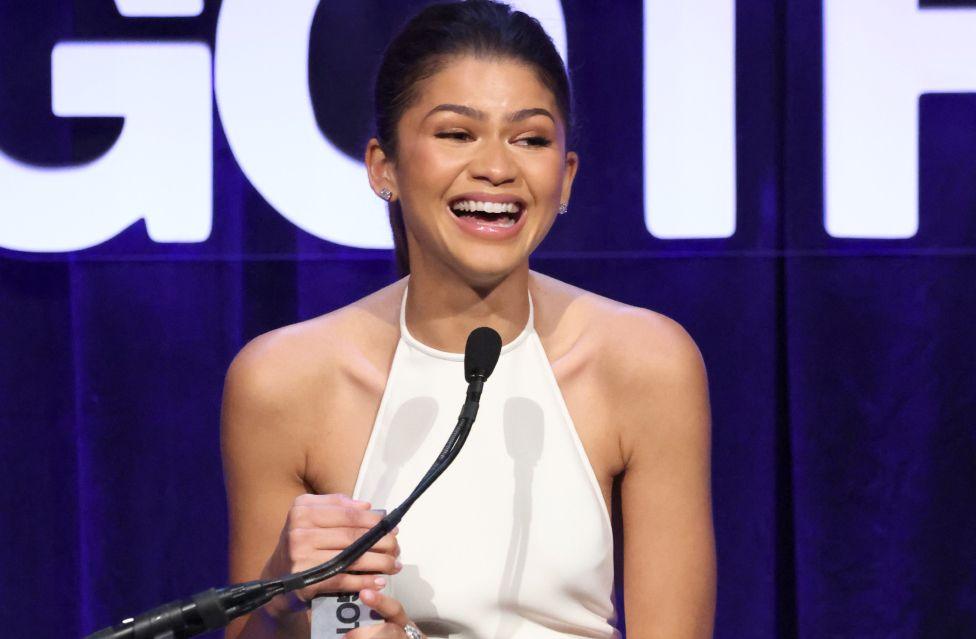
pixel 159 168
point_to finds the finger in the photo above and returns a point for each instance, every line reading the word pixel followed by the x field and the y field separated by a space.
pixel 369 632
pixel 333 499
pixel 312 539
pixel 388 607
pixel 340 538
pixel 332 516
pixel 377 562
pixel 303 552
pixel 381 631
pixel 303 556
pixel 342 582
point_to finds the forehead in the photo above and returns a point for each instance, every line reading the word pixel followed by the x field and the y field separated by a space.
pixel 491 85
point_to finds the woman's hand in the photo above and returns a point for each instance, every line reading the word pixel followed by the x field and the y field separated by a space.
pixel 316 529
pixel 390 609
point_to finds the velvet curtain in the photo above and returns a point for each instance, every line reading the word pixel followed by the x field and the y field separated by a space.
pixel 842 372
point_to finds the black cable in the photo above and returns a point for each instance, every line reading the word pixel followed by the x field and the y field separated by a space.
pixel 215 608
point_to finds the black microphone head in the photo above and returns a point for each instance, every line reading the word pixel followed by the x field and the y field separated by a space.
pixel 481 353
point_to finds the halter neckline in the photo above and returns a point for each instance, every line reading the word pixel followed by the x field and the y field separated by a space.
pixel 459 357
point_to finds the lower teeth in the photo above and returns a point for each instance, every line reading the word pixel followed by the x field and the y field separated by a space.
pixel 502 221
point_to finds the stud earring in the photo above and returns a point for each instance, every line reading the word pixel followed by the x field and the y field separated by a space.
pixel 386 194
pixel 563 208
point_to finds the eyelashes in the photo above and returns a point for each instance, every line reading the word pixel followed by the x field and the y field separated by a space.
pixel 453 135
pixel 537 141
pixel 464 136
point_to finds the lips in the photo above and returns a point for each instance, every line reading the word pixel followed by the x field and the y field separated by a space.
pixel 487 215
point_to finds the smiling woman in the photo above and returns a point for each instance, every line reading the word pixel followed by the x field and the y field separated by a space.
pixel 327 419
pixel 456 163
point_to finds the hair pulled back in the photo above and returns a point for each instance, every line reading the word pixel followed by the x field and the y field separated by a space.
pixel 482 28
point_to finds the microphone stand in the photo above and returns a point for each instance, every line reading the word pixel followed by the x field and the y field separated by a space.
pixel 216 607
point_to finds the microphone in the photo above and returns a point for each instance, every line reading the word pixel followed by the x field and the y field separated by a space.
pixel 481 353
pixel 215 608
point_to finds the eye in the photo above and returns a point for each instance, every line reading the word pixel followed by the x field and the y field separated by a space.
pixel 460 136
pixel 536 140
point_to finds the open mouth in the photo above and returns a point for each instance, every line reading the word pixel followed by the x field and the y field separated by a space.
pixel 500 214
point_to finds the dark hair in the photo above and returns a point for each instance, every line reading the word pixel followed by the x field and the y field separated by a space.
pixel 483 28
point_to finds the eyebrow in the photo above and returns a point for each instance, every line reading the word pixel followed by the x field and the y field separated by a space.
pixel 480 115
pixel 528 113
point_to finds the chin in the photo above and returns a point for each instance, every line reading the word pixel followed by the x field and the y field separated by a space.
pixel 489 272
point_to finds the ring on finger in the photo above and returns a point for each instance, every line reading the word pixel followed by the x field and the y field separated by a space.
pixel 412 631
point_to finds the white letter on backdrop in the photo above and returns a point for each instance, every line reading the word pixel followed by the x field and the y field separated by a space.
pixel 159 168
pixel 879 57
pixel 689 118
pixel 261 72
pixel 159 8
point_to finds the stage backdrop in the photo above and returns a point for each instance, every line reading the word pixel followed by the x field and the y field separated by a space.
pixel 794 182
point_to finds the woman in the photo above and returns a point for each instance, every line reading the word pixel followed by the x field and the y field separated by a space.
pixel 473 108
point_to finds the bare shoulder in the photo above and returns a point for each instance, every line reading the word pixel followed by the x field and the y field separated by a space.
pixel 644 363
pixel 286 370
pixel 632 340
pixel 646 344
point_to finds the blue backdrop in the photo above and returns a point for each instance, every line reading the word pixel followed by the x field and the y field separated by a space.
pixel 842 371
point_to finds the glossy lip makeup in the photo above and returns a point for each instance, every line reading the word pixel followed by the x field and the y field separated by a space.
pixel 494 225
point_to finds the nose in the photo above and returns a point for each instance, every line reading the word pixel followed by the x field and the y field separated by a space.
pixel 493 164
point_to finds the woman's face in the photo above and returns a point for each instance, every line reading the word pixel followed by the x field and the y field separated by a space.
pixel 481 167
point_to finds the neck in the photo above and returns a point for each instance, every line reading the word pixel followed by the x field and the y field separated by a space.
pixel 442 310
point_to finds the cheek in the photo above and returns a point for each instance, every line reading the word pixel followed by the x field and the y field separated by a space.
pixel 429 167
pixel 545 179
pixel 426 174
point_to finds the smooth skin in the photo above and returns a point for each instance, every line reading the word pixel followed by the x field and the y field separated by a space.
pixel 300 401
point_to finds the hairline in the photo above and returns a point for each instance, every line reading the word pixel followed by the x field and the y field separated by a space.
pixel 438 62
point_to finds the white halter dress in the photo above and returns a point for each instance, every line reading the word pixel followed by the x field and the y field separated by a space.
pixel 513 541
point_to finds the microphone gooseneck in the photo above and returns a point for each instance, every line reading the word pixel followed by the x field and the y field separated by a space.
pixel 215 608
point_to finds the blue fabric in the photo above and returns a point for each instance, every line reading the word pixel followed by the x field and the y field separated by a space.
pixel 842 372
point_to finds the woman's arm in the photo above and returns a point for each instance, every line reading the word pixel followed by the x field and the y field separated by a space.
pixel 263 466
pixel 669 547
pixel 275 528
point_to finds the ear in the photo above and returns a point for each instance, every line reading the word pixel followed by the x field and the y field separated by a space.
pixel 572 165
pixel 380 168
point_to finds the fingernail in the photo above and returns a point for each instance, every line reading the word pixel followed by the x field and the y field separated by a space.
pixel 396 529
pixel 368 595
pixel 398 564
pixel 380 581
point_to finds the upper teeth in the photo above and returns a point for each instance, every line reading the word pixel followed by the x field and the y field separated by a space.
pixel 487 207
